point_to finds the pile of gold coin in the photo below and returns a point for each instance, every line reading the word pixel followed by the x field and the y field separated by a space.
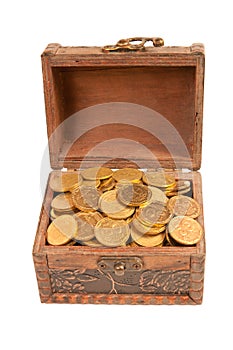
pixel 99 207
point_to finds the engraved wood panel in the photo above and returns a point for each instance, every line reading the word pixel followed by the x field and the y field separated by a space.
pixel 143 282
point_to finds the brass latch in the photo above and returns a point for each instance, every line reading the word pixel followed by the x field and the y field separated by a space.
pixel 119 265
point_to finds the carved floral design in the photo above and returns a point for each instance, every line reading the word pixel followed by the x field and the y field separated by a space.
pixel 164 282
pixel 95 281
pixel 71 281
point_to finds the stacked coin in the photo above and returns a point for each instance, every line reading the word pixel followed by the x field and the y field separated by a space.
pixel 123 208
pixel 86 223
pixel 62 230
pixel 181 187
pixel 127 175
pixel 113 208
pixel 65 181
pixel 160 180
pixel 167 183
pixel 148 227
pixel 62 204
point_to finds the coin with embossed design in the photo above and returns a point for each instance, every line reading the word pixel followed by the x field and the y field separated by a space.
pixel 184 206
pixel 157 195
pixel 185 230
pixel 146 240
pixel 110 205
pixel 91 183
pixel 134 195
pixel 155 214
pixel 86 198
pixel 127 175
pixel 107 185
pixel 97 173
pixel 159 179
pixel 112 233
pixel 146 229
pixel 86 223
pixel 63 202
pixel 125 213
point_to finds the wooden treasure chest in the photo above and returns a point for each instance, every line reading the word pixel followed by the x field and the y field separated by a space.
pixel 122 216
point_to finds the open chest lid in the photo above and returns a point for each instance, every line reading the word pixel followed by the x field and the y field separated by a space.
pixel 118 109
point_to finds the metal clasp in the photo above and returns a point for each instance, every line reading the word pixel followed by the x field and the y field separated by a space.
pixel 133 44
pixel 119 265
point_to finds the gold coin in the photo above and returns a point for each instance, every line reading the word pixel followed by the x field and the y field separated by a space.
pixel 112 233
pixel 147 240
pixel 64 181
pixel 169 188
pixel 62 230
pixel 119 185
pixel 63 202
pixel 92 183
pixel 93 243
pixel 97 173
pixel 127 175
pixel 107 185
pixel 185 230
pixel 110 205
pixel 180 188
pixel 53 215
pixel 159 179
pixel 182 184
pixel 170 240
pixel 134 194
pixel 86 198
pixel 130 218
pixel 184 206
pixel 178 192
pixel 123 214
pixel 157 195
pixel 146 229
pixel 155 214
pixel 86 223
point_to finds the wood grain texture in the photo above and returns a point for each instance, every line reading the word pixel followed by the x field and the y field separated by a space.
pixel 39 256
pixel 166 80
pixel 166 85
pixel 79 258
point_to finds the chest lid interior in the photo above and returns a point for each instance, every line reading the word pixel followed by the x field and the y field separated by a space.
pixel 115 109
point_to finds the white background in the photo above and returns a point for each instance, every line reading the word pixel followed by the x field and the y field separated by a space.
pixel 26 28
